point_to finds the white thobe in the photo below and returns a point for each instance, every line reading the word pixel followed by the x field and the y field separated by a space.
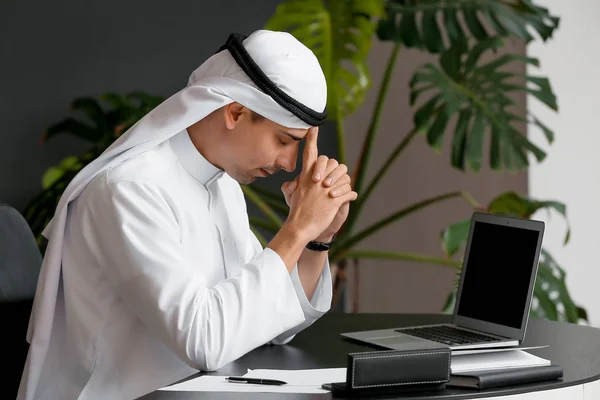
pixel 162 277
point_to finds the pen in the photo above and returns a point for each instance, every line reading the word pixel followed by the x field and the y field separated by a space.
pixel 260 381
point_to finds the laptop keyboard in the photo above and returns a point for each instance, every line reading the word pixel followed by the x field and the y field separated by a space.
pixel 448 335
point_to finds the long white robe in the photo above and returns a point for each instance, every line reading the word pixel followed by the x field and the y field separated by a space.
pixel 162 277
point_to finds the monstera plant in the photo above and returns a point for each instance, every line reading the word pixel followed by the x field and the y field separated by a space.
pixel 465 94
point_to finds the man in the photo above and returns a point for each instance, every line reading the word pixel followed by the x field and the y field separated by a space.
pixel 151 271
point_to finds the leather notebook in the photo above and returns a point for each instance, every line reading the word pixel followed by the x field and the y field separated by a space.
pixel 505 377
pixel 393 371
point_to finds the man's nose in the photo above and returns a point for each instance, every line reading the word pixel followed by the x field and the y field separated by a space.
pixel 287 159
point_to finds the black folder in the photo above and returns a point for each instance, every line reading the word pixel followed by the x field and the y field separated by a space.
pixel 505 377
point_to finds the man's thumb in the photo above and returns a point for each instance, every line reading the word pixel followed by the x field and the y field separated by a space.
pixel 285 188
pixel 289 187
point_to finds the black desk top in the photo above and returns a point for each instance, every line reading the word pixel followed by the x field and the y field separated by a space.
pixel 576 348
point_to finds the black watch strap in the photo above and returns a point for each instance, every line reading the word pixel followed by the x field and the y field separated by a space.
pixel 319 246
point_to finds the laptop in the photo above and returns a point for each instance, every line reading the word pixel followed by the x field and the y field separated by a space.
pixel 494 293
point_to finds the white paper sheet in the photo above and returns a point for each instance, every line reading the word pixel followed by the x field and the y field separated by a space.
pixel 301 377
pixel 495 350
pixel 298 381
pixel 498 360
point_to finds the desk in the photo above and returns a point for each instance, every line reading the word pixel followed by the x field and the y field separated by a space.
pixel 576 348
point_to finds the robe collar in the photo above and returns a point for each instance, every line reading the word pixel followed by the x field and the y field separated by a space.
pixel 191 159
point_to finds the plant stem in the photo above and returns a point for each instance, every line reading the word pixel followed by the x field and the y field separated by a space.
pixel 363 161
pixel 269 194
pixel 277 206
pixel 339 281
pixel 356 254
pixel 471 200
pixel 382 171
pixel 260 237
pixel 261 223
pixel 356 286
pixel 341 136
pixel 346 243
pixel 361 167
pixel 264 207
pixel 276 201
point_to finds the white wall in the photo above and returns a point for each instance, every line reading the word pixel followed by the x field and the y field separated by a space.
pixel 571 171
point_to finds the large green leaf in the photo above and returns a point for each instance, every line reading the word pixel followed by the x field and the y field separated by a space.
pixel 552 297
pixel 92 109
pixel 425 23
pixel 455 236
pixel 54 174
pixel 477 94
pixel 512 204
pixel 51 175
pixel 340 33
pixel 73 127
pixel 122 111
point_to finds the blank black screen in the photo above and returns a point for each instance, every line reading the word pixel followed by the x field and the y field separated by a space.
pixel 500 263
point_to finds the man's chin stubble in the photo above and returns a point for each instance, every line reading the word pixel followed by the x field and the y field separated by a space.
pixel 246 179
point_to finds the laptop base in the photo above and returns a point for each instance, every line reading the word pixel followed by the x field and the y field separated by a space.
pixel 394 340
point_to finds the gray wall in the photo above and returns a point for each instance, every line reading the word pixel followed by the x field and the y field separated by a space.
pixel 52 52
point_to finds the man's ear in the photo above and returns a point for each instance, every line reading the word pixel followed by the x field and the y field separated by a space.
pixel 234 113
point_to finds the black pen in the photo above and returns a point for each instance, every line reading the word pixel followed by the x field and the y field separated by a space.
pixel 260 381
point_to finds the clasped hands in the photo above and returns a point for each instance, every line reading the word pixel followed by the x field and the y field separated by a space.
pixel 319 198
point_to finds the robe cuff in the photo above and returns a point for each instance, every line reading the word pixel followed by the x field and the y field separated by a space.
pixel 287 306
pixel 321 299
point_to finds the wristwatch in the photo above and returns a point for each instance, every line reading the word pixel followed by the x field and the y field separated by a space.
pixel 320 246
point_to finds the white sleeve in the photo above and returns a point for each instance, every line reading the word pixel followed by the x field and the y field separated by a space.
pixel 137 239
pixel 319 304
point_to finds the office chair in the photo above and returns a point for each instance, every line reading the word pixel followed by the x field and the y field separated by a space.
pixel 20 262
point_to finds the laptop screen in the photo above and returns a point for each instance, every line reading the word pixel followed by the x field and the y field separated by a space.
pixel 497 276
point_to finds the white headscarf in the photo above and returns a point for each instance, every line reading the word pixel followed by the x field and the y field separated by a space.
pixel 216 83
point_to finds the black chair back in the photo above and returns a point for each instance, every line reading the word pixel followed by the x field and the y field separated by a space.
pixel 20 262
